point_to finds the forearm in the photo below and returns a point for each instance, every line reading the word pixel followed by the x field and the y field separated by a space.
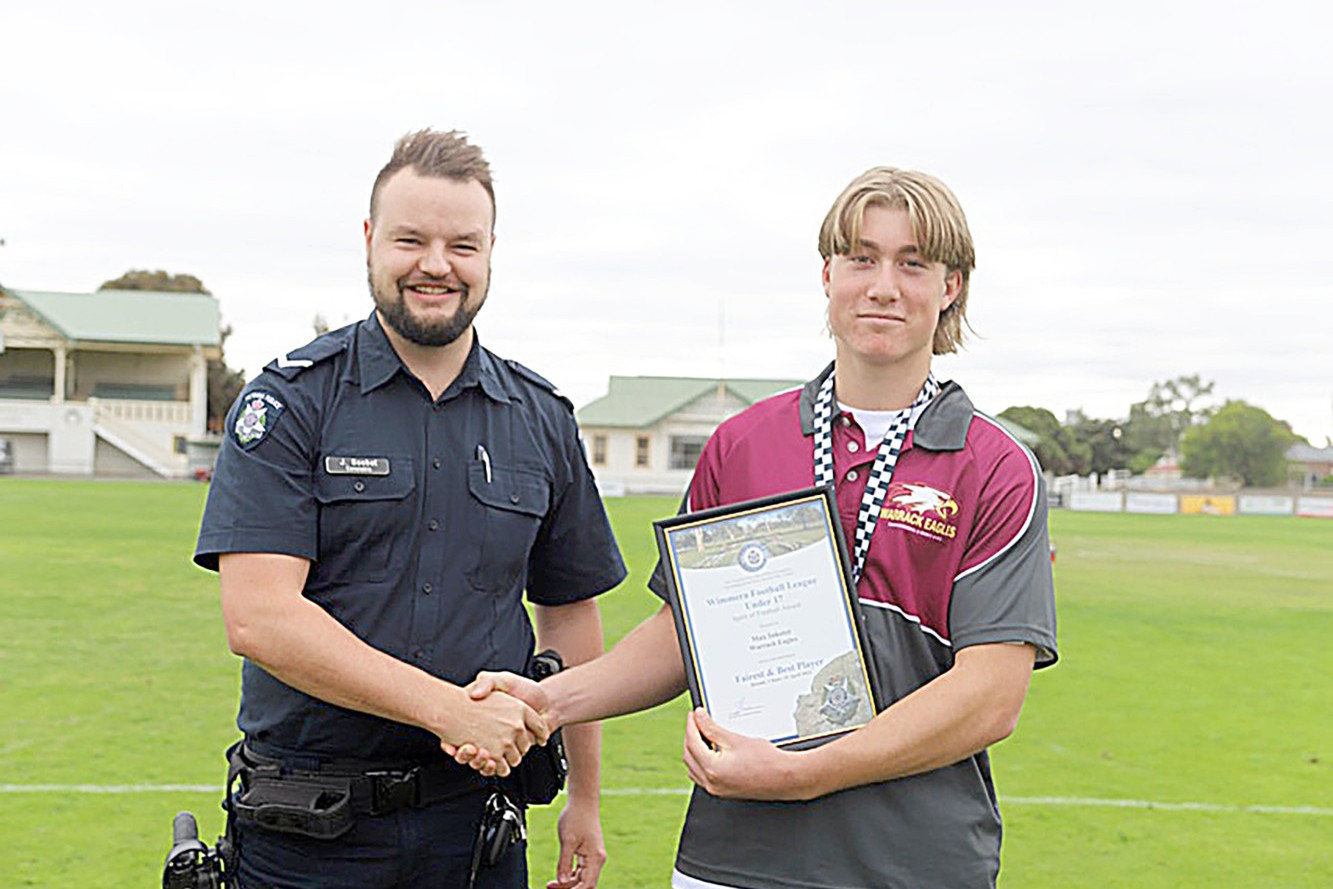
pixel 643 670
pixel 973 705
pixel 302 645
pixel 575 631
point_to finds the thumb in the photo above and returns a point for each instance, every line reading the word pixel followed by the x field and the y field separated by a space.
pixel 482 687
pixel 713 734
pixel 564 869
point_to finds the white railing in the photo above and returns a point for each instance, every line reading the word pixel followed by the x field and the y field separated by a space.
pixel 172 413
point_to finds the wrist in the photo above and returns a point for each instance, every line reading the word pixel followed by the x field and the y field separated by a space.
pixel 803 773
pixel 443 717
pixel 583 797
pixel 557 703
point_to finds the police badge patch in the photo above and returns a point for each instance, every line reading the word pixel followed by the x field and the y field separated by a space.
pixel 259 411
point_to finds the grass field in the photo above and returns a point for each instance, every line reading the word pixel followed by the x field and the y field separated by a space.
pixel 1185 738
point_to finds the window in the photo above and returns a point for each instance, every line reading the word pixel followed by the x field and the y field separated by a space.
pixel 599 450
pixel 685 450
pixel 641 451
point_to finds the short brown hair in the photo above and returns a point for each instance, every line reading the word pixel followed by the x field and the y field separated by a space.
pixel 432 153
pixel 937 221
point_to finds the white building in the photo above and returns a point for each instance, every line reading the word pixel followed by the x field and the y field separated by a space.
pixel 645 435
pixel 108 383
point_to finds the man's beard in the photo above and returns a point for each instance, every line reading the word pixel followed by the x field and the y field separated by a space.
pixel 392 306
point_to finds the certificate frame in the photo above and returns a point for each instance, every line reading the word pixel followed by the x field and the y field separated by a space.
pixel 753 583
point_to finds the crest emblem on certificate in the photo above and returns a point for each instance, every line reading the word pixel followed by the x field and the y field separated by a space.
pixel 752 556
pixel 259 411
pixel 840 704
pixel 838 698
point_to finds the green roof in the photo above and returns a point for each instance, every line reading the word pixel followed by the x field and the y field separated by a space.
pixel 639 402
pixel 129 316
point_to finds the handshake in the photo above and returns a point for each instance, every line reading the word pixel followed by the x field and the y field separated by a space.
pixel 505 716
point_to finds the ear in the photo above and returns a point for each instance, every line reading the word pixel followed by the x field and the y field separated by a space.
pixel 369 230
pixel 824 275
pixel 953 285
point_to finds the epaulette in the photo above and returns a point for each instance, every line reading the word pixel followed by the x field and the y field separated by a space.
pixel 532 376
pixel 319 349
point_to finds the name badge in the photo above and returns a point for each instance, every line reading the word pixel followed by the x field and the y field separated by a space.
pixel 356 465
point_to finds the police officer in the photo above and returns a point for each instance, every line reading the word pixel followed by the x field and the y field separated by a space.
pixel 383 497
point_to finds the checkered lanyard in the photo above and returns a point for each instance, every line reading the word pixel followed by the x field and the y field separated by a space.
pixel 877 485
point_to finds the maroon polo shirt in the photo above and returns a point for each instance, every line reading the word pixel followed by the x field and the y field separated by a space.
pixel 959 557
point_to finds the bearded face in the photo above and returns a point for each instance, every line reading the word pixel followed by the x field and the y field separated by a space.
pixel 428 256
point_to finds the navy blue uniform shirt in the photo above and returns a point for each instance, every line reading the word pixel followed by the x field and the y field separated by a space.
pixel 424 521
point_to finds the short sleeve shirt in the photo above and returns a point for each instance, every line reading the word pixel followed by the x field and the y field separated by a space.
pixel 959 557
pixel 424 520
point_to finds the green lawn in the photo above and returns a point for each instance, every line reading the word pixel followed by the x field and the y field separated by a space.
pixel 1183 740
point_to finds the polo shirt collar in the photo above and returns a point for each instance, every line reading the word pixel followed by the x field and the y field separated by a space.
pixel 377 363
pixel 942 426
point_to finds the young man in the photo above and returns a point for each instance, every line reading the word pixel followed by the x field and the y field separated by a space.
pixel 958 609
pixel 383 498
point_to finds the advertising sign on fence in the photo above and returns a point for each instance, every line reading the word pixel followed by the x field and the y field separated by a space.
pixel 1315 507
pixel 1208 504
pixel 1142 501
pixel 1266 504
pixel 1095 501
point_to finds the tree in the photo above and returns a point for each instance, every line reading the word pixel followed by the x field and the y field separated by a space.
pixel 160 281
pixel 1157 423
pixel 1240 441
pixel 224 384
pixel 1105 441
pixel 1057 450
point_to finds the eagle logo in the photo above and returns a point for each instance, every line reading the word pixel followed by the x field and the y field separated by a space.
pixel 923 499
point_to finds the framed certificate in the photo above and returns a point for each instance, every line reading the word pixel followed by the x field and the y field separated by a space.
pixel 769 625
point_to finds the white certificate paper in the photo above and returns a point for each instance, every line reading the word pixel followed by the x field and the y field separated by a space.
pixel 768 626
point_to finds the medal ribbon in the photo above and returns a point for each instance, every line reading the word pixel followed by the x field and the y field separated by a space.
pixel 881 473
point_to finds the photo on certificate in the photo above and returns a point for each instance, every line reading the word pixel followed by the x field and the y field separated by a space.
pixel 769 624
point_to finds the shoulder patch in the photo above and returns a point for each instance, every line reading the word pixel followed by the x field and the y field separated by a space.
pixel 532 376
pixel 312 353
pixel 257 414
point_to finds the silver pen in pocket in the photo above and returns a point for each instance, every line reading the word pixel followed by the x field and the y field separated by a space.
pixel 485 459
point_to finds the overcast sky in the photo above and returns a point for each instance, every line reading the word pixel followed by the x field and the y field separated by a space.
pixel 1149 183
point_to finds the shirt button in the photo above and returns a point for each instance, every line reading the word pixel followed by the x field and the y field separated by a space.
pixel 851 476
pixel 359 487
pixel 853 447
pixel 419 654
pixel 432 524
pixel 513 498
pixel 846 420
pixel 435 463
pixel 425 589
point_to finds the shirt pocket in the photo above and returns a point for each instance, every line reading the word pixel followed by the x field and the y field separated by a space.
pixel 508 506
pixel 363 519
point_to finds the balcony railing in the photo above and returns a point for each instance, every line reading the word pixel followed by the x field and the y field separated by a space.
pixel 174 413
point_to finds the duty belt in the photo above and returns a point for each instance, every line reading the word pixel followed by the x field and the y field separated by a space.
pixel 324 801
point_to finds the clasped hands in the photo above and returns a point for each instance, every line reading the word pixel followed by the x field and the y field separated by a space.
pixel 507 715
pixel 722 762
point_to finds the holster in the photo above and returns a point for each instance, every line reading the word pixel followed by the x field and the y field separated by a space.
pixel 540 776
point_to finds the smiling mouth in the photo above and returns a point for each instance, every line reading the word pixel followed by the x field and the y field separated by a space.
pixel 432 291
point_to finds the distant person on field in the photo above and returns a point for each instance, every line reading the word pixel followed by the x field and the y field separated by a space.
pixel 383 498
pixel 959 609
